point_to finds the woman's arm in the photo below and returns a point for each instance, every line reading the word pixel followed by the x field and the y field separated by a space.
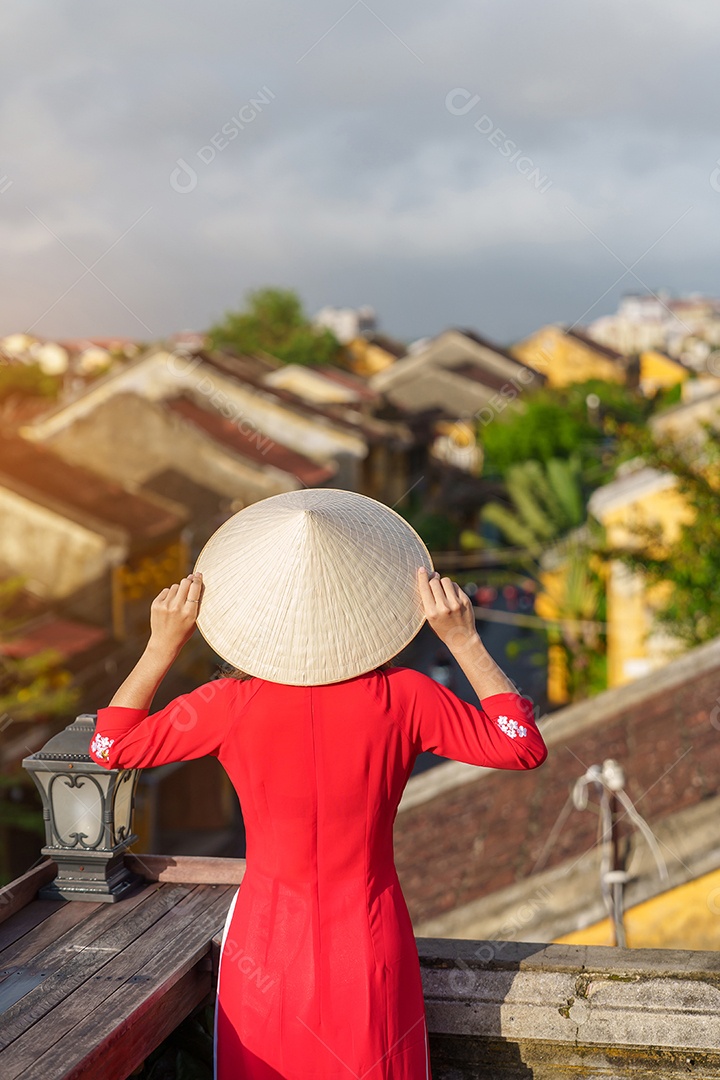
pixel 172 620
pixel 502 733
pixel 191 725
pixel 450 614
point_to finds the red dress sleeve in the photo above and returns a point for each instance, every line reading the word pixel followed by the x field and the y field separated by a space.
pixel 191 726
pixel 501 734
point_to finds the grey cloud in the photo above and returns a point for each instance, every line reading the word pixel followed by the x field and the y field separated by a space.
pixel 356 184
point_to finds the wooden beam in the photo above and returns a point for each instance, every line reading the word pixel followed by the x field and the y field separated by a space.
pixel 128 1043
pixel 20 892
pixel 188 869
pixel 109 1026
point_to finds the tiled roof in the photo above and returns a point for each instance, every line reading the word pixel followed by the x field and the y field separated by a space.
pixel 52 481
pixel 352 382
pixel 109 343
pixel 487 344
pixel 390 345
pixel 373 429
pixel 448 355
pixel 259 451
pixel 65 636
pixel 470 369
pixel 17 410
pixel 612 354
pixel 488 833
pixel 441 390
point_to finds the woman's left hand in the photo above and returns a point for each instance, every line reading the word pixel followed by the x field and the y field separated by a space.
pixel 173 614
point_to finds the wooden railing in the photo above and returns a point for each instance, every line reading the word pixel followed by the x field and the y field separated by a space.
pixel 88 990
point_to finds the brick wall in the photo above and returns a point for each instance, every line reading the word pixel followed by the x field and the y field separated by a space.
pixel 481 836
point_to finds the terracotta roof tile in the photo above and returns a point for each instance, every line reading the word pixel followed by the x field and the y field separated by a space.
pixel 487 344
pixel 373 429
pixel 261 451
pixel 54 481
pixel 612 354
pixel 493 831
pixel 65 636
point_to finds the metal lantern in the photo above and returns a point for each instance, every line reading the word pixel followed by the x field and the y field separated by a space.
pixel 88 817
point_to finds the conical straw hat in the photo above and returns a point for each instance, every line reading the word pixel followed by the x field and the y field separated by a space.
pixel 311 587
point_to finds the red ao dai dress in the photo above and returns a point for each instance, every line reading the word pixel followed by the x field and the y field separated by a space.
pixel 319 975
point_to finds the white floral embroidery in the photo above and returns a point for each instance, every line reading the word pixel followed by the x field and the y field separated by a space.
pixel 100 746
pixel 511 727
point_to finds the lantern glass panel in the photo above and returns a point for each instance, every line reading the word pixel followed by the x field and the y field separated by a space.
pixel 122 808
pixel 77 807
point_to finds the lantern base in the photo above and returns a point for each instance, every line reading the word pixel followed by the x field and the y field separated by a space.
pixel 90 876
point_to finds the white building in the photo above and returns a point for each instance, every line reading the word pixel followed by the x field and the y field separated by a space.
pixel 347 323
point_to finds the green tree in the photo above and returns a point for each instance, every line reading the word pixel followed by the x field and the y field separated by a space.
pixel 539 429
pixel 690 563
pixel 574 601
pixel 437 530
pixel 546 502
pixel 274 322
pixel 619 404
pixel 27 380
pixel 559 423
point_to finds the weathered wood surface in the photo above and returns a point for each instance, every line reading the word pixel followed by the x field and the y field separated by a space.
pixel 90 989
pixel 56 917
pixel 17 894
pixel 187 868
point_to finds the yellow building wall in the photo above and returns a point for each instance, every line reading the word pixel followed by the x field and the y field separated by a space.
pixel 367 358
pixel 564 360
pixel 630 602
pixel 552 603
pixel 687 917
pixel 658 372
pixel 552 586
pixel 633 649
pixel 630 606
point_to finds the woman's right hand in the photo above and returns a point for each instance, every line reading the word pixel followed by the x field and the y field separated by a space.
pixel 448 610
pixel 173 614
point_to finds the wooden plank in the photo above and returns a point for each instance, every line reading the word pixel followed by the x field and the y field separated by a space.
pixel 138 1015
pixel 37 936
pixel 20 892
pixel 190 869
pixel 18 984
pixel 27 919
pixel 68 964
pixel 141 1032
pixel 140 976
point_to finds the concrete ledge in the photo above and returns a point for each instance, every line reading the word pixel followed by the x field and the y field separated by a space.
pixel 517 1009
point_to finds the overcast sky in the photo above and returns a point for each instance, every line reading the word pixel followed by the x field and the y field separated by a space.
pixel 370 169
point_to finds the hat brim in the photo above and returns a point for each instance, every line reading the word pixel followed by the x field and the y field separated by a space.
pixel 311 587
